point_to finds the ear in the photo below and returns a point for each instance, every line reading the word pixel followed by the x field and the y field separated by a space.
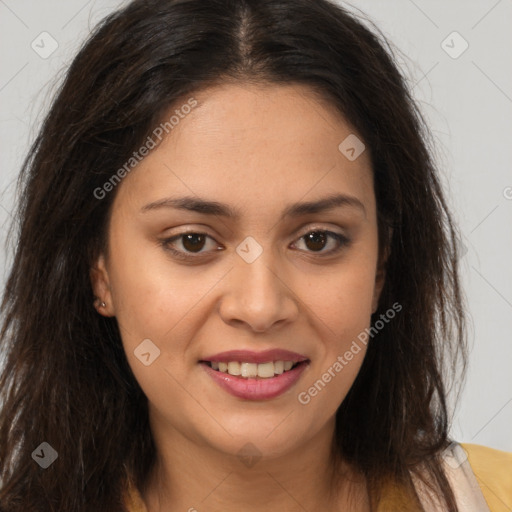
pixel 101 287
pixel 380 275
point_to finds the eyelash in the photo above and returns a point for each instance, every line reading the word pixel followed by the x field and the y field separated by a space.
pixel 341 239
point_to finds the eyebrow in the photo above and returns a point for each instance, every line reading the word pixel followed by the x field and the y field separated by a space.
pixel 199 205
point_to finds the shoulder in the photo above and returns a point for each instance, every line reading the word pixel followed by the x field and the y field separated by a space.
pixel 133 500
pixel 493 471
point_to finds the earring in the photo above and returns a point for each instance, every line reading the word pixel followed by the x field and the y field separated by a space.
pixel 102 304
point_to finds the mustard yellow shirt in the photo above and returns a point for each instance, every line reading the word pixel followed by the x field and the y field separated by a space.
pixel 492 469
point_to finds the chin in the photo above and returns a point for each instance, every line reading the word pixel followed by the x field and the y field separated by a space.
pixel 268 437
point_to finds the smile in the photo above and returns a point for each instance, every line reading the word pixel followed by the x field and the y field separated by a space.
pixel 255 375
pixel 253 370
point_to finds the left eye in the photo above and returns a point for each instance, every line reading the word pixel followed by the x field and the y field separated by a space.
pixel 193 243
pixel 316 240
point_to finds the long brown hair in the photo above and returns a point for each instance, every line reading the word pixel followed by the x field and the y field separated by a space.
pixel 66 380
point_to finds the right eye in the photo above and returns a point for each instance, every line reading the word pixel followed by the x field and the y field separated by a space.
pixel 192 242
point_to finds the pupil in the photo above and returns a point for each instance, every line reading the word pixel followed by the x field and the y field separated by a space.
pixel 317 238
pixel 190 242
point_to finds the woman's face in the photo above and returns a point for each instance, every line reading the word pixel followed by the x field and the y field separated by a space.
pixel 267 284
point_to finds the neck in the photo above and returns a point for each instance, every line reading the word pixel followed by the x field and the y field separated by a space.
pixel 188 476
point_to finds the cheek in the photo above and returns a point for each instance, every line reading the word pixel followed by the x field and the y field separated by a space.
pixel 343 301
pixel 343 309
pixel 151 294
pixel 156 301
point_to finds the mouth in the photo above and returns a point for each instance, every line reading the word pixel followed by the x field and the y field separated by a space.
pixel 247 370
pixel 255 375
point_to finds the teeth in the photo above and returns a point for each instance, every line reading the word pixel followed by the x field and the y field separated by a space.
pixel 252 370
pixel 234 368
pixel 266 370
pixel 249 369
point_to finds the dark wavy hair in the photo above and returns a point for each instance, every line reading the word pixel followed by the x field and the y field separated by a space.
pixel 65 378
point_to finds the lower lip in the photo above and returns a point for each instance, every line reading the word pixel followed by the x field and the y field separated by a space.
pixel 256 389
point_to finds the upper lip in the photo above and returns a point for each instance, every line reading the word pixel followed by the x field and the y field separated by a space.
pixel 249 356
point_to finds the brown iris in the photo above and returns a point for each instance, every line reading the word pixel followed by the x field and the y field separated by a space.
pixel 193 241
pixel 317 238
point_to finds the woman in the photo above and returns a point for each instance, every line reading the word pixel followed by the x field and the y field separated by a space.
pixel 236 281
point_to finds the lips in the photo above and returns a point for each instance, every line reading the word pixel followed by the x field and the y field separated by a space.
pixel 257 357
pixel 255 375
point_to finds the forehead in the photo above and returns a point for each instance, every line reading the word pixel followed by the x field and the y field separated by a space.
pixel 252 145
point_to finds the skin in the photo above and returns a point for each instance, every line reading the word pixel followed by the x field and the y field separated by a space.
pixel 257 149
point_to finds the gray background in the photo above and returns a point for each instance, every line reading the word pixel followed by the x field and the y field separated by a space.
pixel 466 98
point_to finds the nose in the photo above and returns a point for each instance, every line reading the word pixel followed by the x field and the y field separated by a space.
pixel 258 296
